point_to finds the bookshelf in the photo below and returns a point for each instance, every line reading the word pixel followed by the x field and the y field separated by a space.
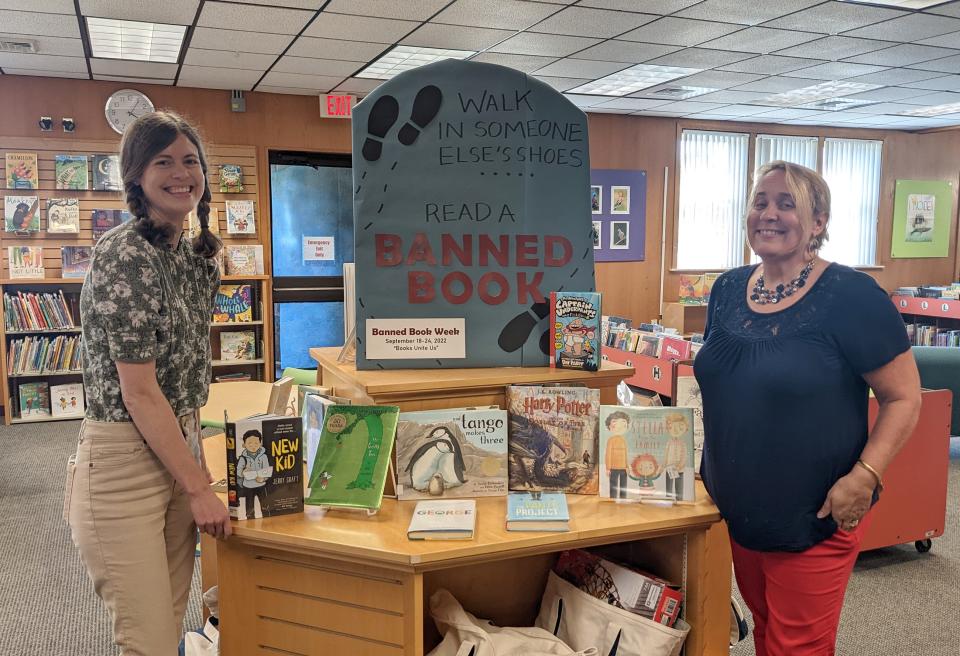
pixel 940 314
pixel 650 373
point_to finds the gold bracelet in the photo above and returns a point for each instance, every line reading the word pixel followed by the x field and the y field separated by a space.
pixel 873 471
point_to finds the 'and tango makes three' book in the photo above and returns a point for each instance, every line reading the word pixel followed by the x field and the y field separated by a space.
pixel 264 466
pixel 575 330
pixel 452 453
pixel 553 438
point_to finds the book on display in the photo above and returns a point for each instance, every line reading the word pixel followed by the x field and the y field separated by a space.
pixel 448 519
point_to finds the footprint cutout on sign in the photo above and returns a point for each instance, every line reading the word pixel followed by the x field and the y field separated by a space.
pixel 383 115
pixel 515 334
pixel 425 108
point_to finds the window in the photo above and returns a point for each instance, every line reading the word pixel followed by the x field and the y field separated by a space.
pixel 713 196
pixel 852 169
pixel 797 150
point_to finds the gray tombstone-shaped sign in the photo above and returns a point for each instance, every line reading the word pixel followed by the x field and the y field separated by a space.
pixel 471 204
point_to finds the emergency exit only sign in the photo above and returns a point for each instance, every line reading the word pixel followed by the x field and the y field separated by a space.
pixel 336 105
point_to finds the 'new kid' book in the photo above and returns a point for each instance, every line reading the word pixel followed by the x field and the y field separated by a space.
pixel 264 466
pixel 353 456
pixel 646 452
pixel 575 330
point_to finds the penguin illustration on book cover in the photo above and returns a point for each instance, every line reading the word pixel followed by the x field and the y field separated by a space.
pixel 440 455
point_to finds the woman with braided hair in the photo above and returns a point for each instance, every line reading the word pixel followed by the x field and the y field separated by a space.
pixel 139 488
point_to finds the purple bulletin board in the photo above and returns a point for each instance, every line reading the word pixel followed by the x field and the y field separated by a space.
pixel 618 202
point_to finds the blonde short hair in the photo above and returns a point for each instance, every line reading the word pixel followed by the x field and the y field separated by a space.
pixel 810 192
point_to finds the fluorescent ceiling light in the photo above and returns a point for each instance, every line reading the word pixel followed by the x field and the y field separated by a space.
pixel 823 91
pixel 934 110
pixel 900 4
pixel 404 58
pixel 633 79
pixel 837 104
pixel 679 92
pixel 122 39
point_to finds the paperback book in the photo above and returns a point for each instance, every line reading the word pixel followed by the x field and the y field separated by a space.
pixel 34 400
pixel 575 329
pixel 688 396
pixel 102 221
pixel 63 215
pixel 264 466
pixel 231 178
pixel 452 453
pixel 75 260
pixel 67 400
pixel 25 261
pixel 21 214
pixel 453 519
pixel 240 217
pixel 537 511
pixel 106 173
pixel 71 172
pixel 22 171
pixel 353 456
pixel 553 438
pixel 646 453
pixel 233 303
pixel 245 260
pixel 238 345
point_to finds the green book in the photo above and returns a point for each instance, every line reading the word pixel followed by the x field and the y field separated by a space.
pixel 353 456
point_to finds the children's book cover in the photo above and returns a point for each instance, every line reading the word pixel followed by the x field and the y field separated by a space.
pixel 245 260
pixel 21 214
pixel 25 261
pixel 238 345
pixel 553 438
pixel 264 466
pixel 537 511
pixel 353 457
pixel 106 173
pixel 63 215
pixel 34 400
pixel 22 171
pixel 692 290
pixel 102 221
pixel 452 453
pixel 241 218
pixel 75 260
pixel 233 303
pixel 67 400
pixel 447 519
pixel 646 452
pixel 193 223
pixel 575 329
pixel 231 178
pixel 71 172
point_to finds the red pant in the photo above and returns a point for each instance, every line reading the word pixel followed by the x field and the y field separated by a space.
pixel 796 598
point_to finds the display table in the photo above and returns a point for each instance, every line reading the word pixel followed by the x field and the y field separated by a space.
pixel 340 582
pixel 241 398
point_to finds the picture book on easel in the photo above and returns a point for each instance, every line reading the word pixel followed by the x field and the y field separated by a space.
pixel 264 466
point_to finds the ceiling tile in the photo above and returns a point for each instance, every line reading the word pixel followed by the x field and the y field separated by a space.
pixel 741 110
pixel 307 46
pixel 760 40
pixel 132 68
pixel 902 55
pixel 581 68
pixel 835 71
pixel 48 45
pixel 38 73
pixel 745 13
pixel 211 77
pixel 213 39
pixel 26 23
pixel 43 62
pixel 495 14
pixel 733 97
pixel 689 107
pixel 625 51
pixel 699 58
pixel 548 45
pixel 321 83
pixel 944 40
pixel 377 30
pixel 584 100
pixel 358 85
pixel 169 12
pixel 579 21
pixel 679 31
pixel 834 47
pixel 884 108
pixel 434 35
pixel 310 66
pixel 946 83
pixel 909 29
pixel 607 110
pixel 312 5
pixel 886 94
pixel 136 80
pixel 938 98
pixel 895 76
pixel 778 84
pixel 949 9
pixel 253 18
pixel 228 59
pixel 648 6
pixel 419 10
pixel 43 6
pixel 787 113
pixel 717 79
pixel 945 65
pixel 524 63
pixel 834 18
pixel 286 90
pixel 634 103
pixel 564 83
pixel 770 65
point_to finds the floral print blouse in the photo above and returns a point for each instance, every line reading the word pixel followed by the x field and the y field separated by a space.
pixel 140 303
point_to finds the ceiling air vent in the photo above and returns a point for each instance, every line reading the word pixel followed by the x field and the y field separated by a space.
pixel 670 91
pixel 10 45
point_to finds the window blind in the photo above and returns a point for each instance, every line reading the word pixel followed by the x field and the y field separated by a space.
pixel 852 169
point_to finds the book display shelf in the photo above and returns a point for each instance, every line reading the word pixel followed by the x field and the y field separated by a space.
pixel 650 373
pixel 53 278
pixel 940 315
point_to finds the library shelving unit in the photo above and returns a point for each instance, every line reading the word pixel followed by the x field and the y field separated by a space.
pixel 257 367
pixel 654 374
pixel 939 312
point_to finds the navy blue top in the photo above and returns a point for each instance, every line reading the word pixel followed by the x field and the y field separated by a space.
pixel 785 403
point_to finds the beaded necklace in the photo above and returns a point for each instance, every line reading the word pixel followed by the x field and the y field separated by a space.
pixel 763 296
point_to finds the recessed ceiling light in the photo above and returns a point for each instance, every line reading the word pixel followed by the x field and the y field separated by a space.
pixel 934 110
pixel 404 58
pixel 901 4
pixel 823 91
pixel 633 79
pixel 122 39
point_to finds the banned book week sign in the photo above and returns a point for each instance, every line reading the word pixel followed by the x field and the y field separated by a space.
pixel 471 205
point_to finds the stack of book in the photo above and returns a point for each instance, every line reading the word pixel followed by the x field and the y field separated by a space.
pixel 36 311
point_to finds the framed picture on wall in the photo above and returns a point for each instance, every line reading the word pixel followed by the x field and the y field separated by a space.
pixel 619 200
pixel 596 199
pixel 597 231
pixel 619 234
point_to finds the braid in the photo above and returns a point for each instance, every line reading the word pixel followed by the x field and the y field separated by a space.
pixel 156 235
pixel 206 243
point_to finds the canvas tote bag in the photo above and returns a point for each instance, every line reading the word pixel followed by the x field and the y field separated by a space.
pixel 580 619
pixel 465 635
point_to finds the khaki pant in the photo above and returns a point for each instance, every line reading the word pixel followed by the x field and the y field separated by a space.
pixel 133 526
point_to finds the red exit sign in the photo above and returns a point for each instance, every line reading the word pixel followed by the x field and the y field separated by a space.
pixel 334 105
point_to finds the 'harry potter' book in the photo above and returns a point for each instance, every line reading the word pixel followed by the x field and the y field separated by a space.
pixel 264 466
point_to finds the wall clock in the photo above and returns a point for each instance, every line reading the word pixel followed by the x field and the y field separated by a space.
pixel 125 106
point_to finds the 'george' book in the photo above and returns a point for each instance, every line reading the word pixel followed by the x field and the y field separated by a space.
pixel 447 519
